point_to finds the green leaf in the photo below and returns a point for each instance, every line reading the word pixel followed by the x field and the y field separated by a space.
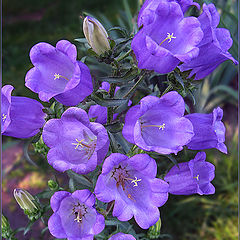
pixel 81 179
pixel 122 30
pixel 179 79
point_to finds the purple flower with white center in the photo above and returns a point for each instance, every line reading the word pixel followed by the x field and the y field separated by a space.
pixel 209 131
pixel 213 49
pixel 75 217
pixel 75 143
pixel 149 7
pixel 158 124
pixel 122 236
pixel 57 73
pixel 192 177
pixel 126 180
pixel 166 39
pixel 21 117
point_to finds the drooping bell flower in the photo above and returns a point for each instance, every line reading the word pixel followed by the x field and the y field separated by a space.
pixel 192 177
pixel 75 217
pixel 158 124
pixel 148 10
pixel 166 39
pixel 122 236
pixel 209 131
pixel 96 35
pixel 132 184
pixel 213 49
pixel 75 143
pixel 57 73
pixel 21 117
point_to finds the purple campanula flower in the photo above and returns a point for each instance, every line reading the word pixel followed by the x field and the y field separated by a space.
pixel 122 236
pixel 74 216
pixel 149 7
pixel 191 177
pixel 132 184
pixel 75 143
pixel 21 117
pixel 166 39
pixel 209 131
pixel 213 49
pixel 58 74
pixel 158 124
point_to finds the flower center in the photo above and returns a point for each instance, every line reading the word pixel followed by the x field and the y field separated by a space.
pixel 197 177
pixel 169 38
pixel 58 76
pixel 121 176
pixel 158 126
pixel 79 210
pixel 80 143
pixel 4 116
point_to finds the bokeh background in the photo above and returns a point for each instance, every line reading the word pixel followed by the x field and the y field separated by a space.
pixel 28 22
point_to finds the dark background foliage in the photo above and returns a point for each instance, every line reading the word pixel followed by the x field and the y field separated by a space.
pixel 28 22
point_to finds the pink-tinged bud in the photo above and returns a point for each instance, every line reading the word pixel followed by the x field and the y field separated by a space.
pixel 96 35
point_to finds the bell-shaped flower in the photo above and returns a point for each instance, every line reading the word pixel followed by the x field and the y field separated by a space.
pixel 149 7
pixel 158 124
pixel 96 35
pixel 132 184
pixel 122 236
pixel 167 38
pixel 209 131
pixel 192 177
pixel 75 217
pixel 21 117
pixel 213 49
pixel 75 143
pixel 57 73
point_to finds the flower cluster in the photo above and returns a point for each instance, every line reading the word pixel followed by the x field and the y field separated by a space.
pixel 79 139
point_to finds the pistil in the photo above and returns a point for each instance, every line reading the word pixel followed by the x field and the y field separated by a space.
pixel 169 38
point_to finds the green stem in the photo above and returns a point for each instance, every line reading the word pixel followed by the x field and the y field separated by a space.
pixel 135 86
pixel 124 56
pixel 110 109
pixel 169 87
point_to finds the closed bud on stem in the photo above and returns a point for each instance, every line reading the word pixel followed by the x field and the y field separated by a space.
pixel 96 35
pixel 53 185
pixel 26 201
pixel 5 223
pixel 154 231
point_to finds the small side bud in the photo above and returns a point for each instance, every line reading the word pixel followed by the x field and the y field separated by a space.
pixel 53 185
pixel 154 231
pixel 26 201
pixel 5 223
pixel 96 35
pixel 7 232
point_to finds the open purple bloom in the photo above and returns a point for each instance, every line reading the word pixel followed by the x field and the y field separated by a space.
pixel 75 217
pixel 21 117
pixel 191 177
pixel 132 184
pixel 213 49
pixel 58 74
pixel 167 38
pixel 122 236
pixel 158 124
pixel 150 6
pixel 75 143
pixel 209 131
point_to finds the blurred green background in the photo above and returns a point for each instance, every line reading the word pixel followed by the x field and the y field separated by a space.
pixel 28 22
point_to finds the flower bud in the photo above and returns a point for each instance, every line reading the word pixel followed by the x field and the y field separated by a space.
pixel 154 231
pixel 5 223
pixel 53 185
pixel 96 35
pixel 26 201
